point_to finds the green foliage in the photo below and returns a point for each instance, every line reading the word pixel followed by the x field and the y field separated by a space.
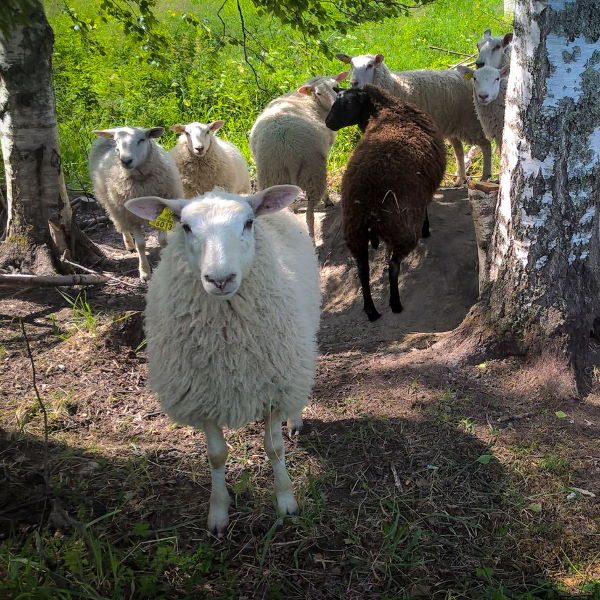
pixel 105 78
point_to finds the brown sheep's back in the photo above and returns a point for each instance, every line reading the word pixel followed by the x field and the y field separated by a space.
pixel 391 177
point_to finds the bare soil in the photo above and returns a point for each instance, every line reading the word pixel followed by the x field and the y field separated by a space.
pixel 418 475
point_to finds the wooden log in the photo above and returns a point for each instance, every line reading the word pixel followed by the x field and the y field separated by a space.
pixel 20 280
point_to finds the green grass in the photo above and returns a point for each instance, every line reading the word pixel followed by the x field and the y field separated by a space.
pixel 199 78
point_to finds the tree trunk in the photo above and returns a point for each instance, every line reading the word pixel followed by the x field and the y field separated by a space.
pixel 40 226
pixel 544 263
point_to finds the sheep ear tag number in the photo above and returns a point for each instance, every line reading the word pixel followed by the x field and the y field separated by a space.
pixel 164 220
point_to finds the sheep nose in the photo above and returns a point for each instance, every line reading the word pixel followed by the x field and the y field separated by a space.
pixel 127 161
pixel 220 282
pixel 198 148
pixel 484 96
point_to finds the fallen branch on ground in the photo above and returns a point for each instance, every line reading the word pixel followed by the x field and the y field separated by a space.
pixel 19 280
pixel 100 274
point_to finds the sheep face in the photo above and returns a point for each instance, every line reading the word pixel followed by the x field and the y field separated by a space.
pixel 323 90
pixel 363 67
pixel 218 231
pixel 491 50
pixel 350 108
pixel 132 144
pixel 486 82
pixel 199 135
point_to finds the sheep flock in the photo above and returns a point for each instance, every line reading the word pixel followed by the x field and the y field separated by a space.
pixel 232 310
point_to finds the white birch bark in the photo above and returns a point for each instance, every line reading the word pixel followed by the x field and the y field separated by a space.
pixel 545 265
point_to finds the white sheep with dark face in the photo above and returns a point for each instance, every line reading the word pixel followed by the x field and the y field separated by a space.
pixel 494 51
pixel 125 163
pixel 231 321
pixel 205 161
pixel 443 94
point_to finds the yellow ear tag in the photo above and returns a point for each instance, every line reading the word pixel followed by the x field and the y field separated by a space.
pixel 468 76
pixel 164 220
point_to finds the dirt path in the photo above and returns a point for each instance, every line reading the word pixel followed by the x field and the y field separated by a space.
pixel 438 281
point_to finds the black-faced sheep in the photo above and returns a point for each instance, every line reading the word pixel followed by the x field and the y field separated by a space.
pixel 391 177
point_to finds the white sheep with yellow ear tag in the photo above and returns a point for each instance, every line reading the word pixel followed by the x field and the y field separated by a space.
pixel 231 321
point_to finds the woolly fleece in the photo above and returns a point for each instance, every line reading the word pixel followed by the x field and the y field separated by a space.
pixel 113 184
pixel 236 360
pixel 221 166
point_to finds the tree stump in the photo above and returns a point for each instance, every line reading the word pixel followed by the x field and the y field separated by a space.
pixel 483 197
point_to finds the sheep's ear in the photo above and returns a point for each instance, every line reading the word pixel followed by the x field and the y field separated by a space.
pixel 504 71
pixel 179 128
pixel 216 125
pixel 465 71
pixel 487 33
pixel 344 58
pixel 273 198
pixel 378 59
pixel 149 207
pixel 106 133
pixel 341 76
pixel 155 132
pixel 307 90
pixel 507 39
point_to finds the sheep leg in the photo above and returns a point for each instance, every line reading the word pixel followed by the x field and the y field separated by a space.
pixel 218 513
pixel 425 229
pixel 144 265
pixel 461 174
pixel 294 423
pixel 393 272
pixel 128 241
pixel 362 263
pixel 162 238
pixel 284 491
pixel 486 150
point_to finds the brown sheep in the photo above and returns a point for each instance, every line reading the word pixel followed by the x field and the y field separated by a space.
pixel 391 177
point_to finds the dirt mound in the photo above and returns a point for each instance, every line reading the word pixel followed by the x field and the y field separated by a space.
pixel 438 281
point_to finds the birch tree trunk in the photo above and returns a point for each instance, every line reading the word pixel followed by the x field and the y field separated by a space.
pixel 40 226
pixel 545 269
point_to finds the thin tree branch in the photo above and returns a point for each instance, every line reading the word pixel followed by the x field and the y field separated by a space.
pixel 20 280
pixel 244 42
pixel 41 405
pixel 100 274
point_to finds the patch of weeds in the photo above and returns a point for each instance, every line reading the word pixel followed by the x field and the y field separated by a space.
pixel 555 464
pixel 3 352
pixel 467 424
pixel 25 413
pixel 443 407
pixel 83 315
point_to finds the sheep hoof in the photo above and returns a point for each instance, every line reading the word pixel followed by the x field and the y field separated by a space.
pixel 287 505
pixel 145 277
pixel 294 425
pixel 217 523
pixel 396 308
pixel 372 314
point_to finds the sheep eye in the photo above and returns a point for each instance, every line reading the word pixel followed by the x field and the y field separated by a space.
pixel 369 66
pixel 140 141
pixel 186 228
pixel 248 224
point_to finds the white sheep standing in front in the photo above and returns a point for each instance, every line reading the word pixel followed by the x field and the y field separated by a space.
pixel 231 321
pixel 205 161
pixel 494 51
pixel 290 143
pixel 126 163
pixel 444 95
pixel 489 99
